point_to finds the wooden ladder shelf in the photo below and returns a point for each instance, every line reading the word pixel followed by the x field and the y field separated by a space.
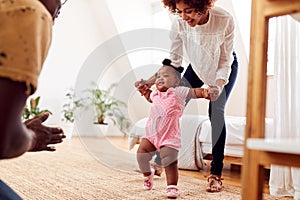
pixel 258 151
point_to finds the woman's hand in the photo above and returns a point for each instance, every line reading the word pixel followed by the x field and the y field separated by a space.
pixel 216 90
pixel 43 135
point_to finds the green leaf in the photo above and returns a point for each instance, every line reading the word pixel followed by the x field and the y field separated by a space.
pixel 33 110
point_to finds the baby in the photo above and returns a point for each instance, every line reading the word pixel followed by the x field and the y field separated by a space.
pixel 163 127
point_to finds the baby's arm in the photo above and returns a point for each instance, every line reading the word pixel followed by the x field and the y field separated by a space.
pixel 198 93
pixel 146 93
pixel 146 83
pixel 143 87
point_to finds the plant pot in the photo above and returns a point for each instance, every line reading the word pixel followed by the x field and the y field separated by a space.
pixel 68 129
pixel 101 120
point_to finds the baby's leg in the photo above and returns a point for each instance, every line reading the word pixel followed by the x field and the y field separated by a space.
pixel 169 160
pixel 145 153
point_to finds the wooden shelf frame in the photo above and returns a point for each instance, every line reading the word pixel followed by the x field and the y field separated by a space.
pixel 255 160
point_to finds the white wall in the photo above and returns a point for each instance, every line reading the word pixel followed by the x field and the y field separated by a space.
pixel 83 26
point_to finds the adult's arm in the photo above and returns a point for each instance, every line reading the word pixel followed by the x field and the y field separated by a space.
pixel 225 61
pixel 176 50
pixel 16 138
pixel 226 57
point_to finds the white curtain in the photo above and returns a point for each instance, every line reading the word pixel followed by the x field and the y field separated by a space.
pixel 285 181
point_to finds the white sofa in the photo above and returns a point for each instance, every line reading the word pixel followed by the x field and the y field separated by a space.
pixel 196 138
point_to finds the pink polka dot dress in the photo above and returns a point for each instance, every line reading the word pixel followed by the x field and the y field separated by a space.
pixel 163 127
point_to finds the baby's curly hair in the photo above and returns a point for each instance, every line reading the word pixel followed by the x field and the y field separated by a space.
pixel 199 5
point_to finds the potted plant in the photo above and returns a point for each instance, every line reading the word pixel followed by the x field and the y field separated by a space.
pixel 69 109
pixel 33 109
pixel 108 107
pixel 105 105
pixel 71 106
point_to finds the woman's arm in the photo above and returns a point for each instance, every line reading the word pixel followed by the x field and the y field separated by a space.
pixel 226 57
pixel 176 50
pixel 225 62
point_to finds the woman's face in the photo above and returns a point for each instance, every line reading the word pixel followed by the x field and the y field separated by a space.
pixel 189 14
pixel 166 78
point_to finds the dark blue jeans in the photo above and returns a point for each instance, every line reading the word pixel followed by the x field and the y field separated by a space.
pixel 157 159
pixel 6 193
pixel 216 112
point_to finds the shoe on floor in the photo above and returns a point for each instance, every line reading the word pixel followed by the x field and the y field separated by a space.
pixel 214 183
pixel 157 169
pixel 172 191
pixel 148 181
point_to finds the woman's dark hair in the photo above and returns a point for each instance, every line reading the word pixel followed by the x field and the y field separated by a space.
pixel 200 6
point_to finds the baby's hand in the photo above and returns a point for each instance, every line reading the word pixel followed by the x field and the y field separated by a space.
pixel 142 86
pixel 141 83
pixel 205 94
pixel 202 93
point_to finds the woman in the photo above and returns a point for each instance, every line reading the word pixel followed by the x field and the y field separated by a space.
pixel 206 33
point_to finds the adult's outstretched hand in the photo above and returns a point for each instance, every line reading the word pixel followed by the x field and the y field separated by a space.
pixel 43 136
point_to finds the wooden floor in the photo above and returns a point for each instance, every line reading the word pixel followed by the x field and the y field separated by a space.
pixel 231 172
